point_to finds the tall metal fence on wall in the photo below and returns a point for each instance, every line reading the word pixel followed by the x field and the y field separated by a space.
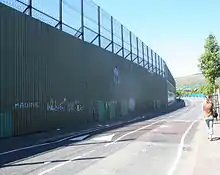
pixel 88 22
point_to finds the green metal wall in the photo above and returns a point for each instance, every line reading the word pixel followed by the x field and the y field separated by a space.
pixel 50 79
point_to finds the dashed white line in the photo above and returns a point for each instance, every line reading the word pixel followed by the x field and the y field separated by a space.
pixel 132 132
pixel 180 149
pixel 45 163
pixel 156 121
pixel 164 126
pixel 186 121
pixel 57 166
pixel 64 163
pixel 24 148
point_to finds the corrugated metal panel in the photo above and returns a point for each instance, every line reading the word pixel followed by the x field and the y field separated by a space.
pixel 5 125
pixel 50 79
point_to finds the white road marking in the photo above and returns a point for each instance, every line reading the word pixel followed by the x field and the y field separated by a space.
pixel 132 132
pixel 39 145
pixel 44 144
pixel 64 163
pixel 59 165
pixel 79 138
pixel 45 163
pixel 187 121
pixel 164 126
pixel 24 148
pixel 104 138
pixel 156 121
pixel 180 149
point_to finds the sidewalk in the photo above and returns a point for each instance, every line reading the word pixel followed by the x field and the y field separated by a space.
pixel 203 156
pixel 208 153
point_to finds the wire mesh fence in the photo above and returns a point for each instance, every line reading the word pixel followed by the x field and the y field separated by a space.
pixel 86 20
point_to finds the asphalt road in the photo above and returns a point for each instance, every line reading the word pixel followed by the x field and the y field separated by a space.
pixel 152 147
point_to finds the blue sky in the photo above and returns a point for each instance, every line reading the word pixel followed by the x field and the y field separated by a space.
pixel 175 29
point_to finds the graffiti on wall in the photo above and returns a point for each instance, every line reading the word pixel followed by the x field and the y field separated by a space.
pixel 75 106
pixel 53 105
pixel 26 105
pixel 64 105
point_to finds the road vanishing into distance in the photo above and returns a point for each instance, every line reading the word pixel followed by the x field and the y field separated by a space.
pixel 156 146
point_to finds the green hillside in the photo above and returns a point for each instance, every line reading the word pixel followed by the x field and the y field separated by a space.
pixel 191 81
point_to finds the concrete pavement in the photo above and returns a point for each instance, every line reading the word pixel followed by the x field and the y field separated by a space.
pixel 204 157
pixel 14 143
pixel 154 146
pixel 208 155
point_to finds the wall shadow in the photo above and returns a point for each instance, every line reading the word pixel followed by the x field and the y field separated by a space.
pixel 52 146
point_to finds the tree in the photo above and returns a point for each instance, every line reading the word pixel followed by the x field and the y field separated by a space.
pixel 209 62
pixel 179 93
pixel 202 89
pixel 206 89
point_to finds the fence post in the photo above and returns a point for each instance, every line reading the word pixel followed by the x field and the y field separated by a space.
pixel 30 7
pixel 143 52
pixel 155 57
pixel 148 59
pixel 99 26
pixel 112 33
pixel 152 60
pixel 131 46
pixel 159 64
pixel 61 15
pixel 138 60
pixel 82 18
pixel 122 40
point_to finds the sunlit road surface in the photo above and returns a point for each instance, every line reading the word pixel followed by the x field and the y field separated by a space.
pixel 151 147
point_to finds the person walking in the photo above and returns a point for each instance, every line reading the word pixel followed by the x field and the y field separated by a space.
pixel 208 116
